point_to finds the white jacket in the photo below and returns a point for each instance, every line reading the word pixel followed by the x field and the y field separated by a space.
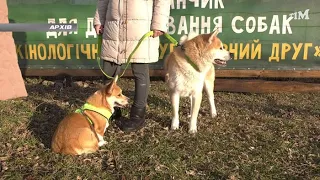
pixel 125 22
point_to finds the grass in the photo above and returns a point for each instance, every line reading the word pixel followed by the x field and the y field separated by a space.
pixel 254 136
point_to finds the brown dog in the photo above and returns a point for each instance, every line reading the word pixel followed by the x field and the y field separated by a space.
pixel 82 132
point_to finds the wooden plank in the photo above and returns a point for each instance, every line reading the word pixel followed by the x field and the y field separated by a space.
pixel 60 72
pixel 160 73
pixel 263 86
pixel 269 73
pixel 228 85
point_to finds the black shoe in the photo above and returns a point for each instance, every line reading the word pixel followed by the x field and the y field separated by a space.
pixel 116 114
pixel 136 121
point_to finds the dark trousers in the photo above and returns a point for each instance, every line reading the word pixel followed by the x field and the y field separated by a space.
pixel 141 79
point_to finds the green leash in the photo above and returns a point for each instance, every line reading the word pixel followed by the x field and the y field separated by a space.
pixel 150 33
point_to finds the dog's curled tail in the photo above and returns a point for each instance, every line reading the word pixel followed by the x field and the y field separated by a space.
pixel 188 37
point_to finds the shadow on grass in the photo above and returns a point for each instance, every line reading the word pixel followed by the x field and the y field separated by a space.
pixel 48 114
pixel 44 122
pixel 162 117
pixel 161 111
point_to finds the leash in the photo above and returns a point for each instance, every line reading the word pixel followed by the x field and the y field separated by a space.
pixel 189 59
pixel 150 33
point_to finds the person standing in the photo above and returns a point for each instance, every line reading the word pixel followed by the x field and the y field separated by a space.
pixel 122 23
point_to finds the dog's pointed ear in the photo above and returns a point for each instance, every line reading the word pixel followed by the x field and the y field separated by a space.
pixel 214 34
pixel 116 79
pixel 110 87
pixel 216 31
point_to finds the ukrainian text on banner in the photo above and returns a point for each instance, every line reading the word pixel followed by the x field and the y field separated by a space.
pixel 262 34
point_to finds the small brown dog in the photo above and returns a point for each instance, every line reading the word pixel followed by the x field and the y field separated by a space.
pixel 82 132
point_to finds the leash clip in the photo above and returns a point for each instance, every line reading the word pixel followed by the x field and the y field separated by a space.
pixel 181 46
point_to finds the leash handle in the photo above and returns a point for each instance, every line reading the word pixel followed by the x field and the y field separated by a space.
pixel 171 39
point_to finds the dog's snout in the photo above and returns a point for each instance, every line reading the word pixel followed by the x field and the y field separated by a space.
pixel 127 101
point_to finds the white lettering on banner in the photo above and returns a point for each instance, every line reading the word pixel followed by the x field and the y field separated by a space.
pixel 63 21
pixel 205 24
pixel 210 4
pixel 179 3
pixel 300 15
pixel 55 34
pixel 253 24
pixel 90 29
pixel 52 33
pixel 73 21
pixel 184 26
pixel 276 24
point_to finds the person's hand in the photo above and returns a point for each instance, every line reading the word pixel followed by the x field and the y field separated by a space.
pixel 99 29
pixel 157 33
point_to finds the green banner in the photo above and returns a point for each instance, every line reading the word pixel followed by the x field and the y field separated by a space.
pixel 263 34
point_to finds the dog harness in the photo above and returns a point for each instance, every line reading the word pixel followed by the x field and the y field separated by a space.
pixel 103 112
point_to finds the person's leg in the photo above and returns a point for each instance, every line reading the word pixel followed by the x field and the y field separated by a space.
pixel 111 69
pixel 142 82
pixel 138 109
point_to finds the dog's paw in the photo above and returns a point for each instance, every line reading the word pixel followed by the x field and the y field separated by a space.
pixel 192 131
pixel 101 143
pixel 213 115
pixel 175 126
